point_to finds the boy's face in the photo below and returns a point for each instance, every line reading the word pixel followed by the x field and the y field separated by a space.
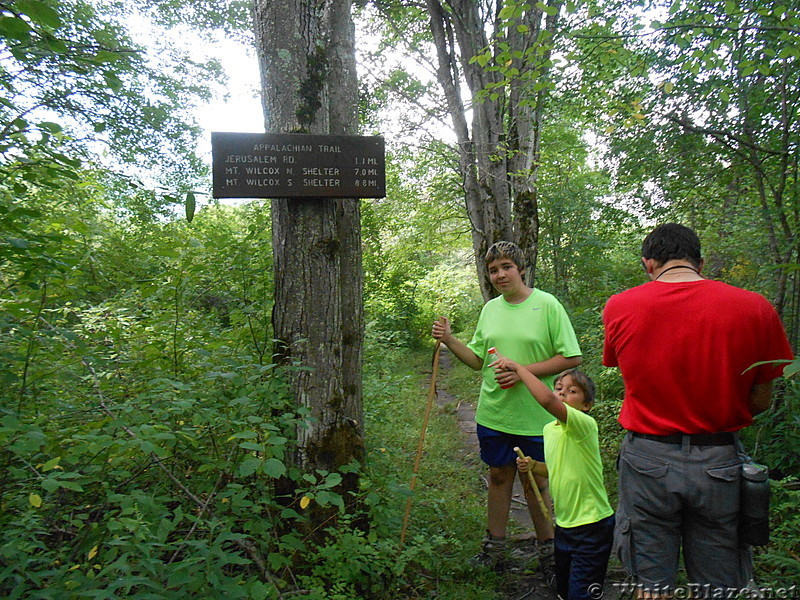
pixel 571 393
pixel 505 276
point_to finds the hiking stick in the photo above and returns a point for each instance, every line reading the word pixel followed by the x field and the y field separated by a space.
pixel 535 487
pixel 431 396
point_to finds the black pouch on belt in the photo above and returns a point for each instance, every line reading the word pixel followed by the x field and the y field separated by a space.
pixel 754 504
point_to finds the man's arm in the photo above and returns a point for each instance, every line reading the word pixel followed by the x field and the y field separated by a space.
pixel 760 397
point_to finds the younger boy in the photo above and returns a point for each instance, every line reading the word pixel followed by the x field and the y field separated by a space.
pixel 531 326
pixel 584 518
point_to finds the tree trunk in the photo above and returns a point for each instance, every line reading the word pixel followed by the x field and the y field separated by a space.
pixel 499 155
pixel 306 53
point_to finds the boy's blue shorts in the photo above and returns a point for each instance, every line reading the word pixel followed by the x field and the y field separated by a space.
pixel 497 447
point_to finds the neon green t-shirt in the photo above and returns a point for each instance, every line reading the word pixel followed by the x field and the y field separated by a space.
pixel 572 454
pixel 528 332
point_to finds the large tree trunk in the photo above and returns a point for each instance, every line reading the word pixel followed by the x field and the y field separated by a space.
pixel 306 54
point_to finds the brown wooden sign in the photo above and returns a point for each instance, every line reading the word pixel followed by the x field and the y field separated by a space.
pixel 291 165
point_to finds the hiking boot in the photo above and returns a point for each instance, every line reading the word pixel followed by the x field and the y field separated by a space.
pixel 545 551
pixel 522 550
pixel 492 553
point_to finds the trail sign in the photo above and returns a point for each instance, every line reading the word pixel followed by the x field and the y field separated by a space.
pixel 291 165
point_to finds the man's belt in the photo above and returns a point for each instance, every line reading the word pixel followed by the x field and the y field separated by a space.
pixel 695 439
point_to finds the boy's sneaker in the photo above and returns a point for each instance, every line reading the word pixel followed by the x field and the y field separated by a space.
pixel 492 553
pixel 545 551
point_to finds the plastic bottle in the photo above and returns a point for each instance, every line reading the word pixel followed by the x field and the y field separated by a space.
pixel 754 505
pixel 493 355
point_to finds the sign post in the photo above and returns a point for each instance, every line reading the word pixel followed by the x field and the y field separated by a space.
pixel 297 165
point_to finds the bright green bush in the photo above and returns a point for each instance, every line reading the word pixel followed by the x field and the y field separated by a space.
pixel 164 490
pixel 778 563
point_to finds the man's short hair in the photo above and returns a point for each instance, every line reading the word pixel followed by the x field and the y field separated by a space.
pixel 672 241
pixel 507 250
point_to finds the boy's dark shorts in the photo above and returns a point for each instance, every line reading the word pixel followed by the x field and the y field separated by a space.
pixel 497 447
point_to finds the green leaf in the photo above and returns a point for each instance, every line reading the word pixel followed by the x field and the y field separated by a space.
pixel 792 369
pixel 39 12
pixel 104 56
pixel 55 45
pixel 550 10
pixel 50 126
pixel 274 468
pixel 243 435
pixel 249 466
pixel 71 485
pixel 332 480
pixel 50 485
pixel 190 206
pixel 252 446
pixel 769 362
pixel 113 82
pixel 51 464
pixel 15 29
pixel 482 59
pixel 506 12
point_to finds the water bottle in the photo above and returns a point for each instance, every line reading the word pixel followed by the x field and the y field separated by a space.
pixel 754 505
pixel 493 355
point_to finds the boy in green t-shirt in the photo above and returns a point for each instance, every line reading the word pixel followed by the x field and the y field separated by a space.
pixel 584 518
pixel 532 327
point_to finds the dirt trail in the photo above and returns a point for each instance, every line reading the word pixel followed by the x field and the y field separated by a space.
pixel 465 412
pixel 518 583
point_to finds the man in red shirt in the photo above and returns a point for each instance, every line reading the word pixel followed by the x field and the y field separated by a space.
pixel 685 346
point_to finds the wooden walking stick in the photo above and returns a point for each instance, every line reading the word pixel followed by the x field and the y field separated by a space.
pixel 535 487
pixel 431 396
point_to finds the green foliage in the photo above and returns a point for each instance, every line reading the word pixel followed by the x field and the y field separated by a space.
pixel 407 282
pixel 73 79
pixel 778 563
pixel 138 480
pixel 448 502
pixel 774 437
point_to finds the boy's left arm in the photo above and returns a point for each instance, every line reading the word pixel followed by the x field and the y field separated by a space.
pixel 552 366
pixel 543 394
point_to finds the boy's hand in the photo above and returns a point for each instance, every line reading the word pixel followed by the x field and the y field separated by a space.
pixel 524 464
pixel 505 371
pixel 441 329
pixel 504 364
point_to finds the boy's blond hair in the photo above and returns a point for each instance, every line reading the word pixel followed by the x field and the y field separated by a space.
pixel 509 250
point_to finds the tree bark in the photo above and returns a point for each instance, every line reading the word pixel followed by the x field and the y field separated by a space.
pixel 306 52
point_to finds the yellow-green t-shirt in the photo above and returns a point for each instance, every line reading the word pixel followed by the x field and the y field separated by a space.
pixel 532 331
pixel 572 454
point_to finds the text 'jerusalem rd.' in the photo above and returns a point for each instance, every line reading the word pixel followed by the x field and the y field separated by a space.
pixel 268 159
